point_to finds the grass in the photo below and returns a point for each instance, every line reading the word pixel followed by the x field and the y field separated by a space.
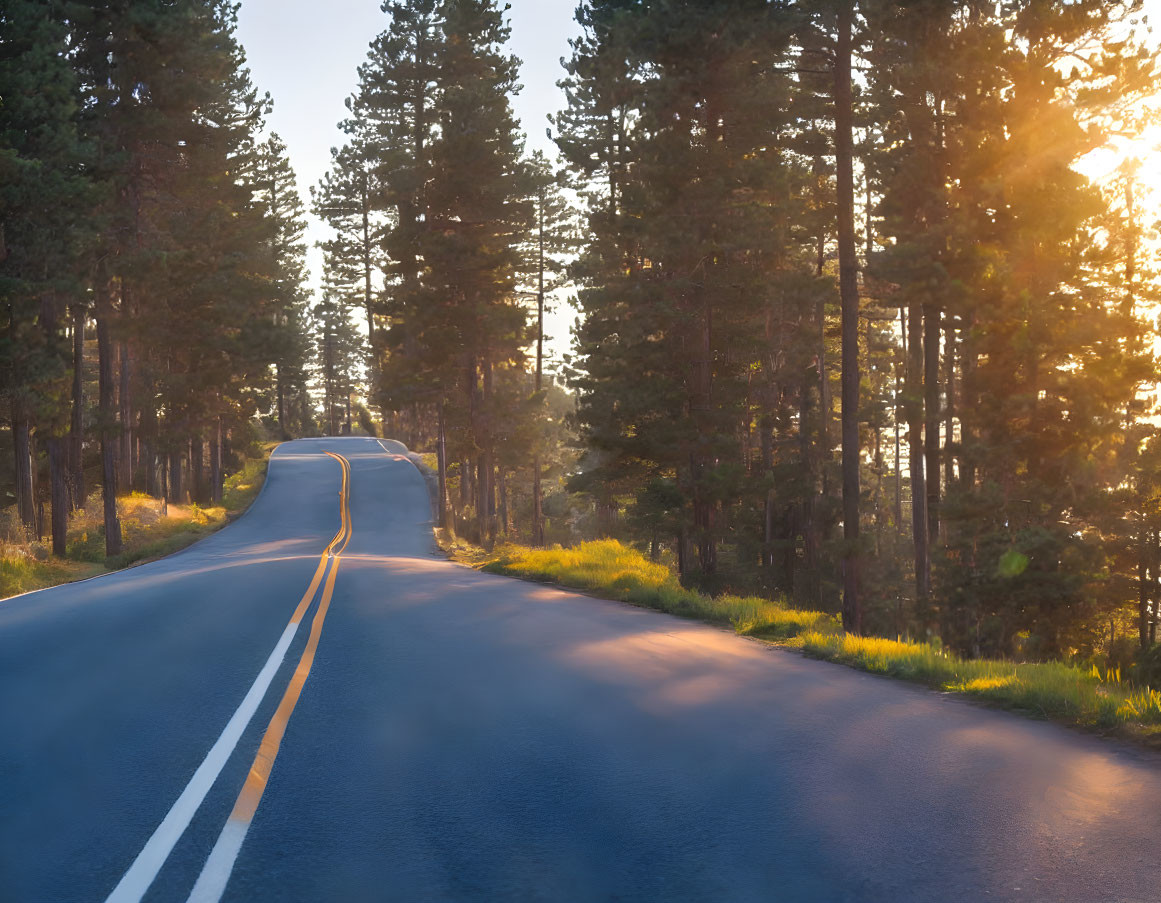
pixel 147 532
pixel 1054 690
pixel 608 568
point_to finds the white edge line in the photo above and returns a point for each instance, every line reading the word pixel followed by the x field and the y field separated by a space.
pixel 136 881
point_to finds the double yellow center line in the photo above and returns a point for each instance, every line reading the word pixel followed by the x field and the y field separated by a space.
pixel 216 872
pixel 252 790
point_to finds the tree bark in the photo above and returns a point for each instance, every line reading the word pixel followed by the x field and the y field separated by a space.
pixel 125 457
pixel 931 331
pixel 537 496
pixel 701 406
pixel 849 295
pixel 22 452
pixel 441 466
pixel 108 422
pixel 197 469
pixel 810 587
pixel 175 481
pixel 216 463
pixel 76 461
pixel 502 502
pixel 281 396
pixel 948 406
pixel 367 295
pixel 58 482
pixel 1144 555
pixel 914 403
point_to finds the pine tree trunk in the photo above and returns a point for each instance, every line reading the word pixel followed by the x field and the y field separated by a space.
pixel 1155 590
pixel 703 507
pixel 163 474
pixel 76 462
pixel 502 501
pixel 483 496
pixel 367 293
pixel 108 423
pixel 175 482
pixel 931 470
pixel 58 482
pixel 878 500
pixel 1152 555
pixel 967 366
pixel 467 491
pixel 537 496
pixel 900 415
pixel 22 452
pixel 197 469
pixel 216 463
pixel 949 406
pixel 914 402
pixel 125 456
pixel 441 465
pixel 149 454
pixel 537 504
pixel 281 394
pixel 849 294
pixel 766 452
pixel 810 587
pixel 1144 555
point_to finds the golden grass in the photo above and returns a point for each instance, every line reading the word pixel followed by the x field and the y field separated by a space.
pixel 608 568
pixel 146 531
pixel 1053 690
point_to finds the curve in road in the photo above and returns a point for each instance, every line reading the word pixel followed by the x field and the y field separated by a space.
pixel 457 735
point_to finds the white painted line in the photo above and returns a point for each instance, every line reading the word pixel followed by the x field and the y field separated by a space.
pixel 211 883
pixel 135 882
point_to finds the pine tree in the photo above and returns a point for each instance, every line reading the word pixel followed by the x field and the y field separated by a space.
pixel 684 265
pixel 286 219
pixel 553 240
pixel 338 350
pixel 47 203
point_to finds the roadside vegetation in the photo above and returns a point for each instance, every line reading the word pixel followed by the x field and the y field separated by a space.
pixel 1081 695
pixel 150 529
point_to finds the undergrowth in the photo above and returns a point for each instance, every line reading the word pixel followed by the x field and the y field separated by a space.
pixel 607 567
pixel 149 529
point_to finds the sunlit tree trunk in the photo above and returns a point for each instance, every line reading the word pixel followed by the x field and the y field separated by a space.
pixel 108 421
pixel 849 295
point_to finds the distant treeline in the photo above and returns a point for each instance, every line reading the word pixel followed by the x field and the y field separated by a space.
pixel 853 327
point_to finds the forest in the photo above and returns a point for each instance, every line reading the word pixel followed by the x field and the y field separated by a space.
pixel 853 329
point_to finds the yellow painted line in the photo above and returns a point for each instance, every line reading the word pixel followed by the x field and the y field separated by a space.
pixel 304 603
pixel 145 868
pixel 252 790
pixel 215 874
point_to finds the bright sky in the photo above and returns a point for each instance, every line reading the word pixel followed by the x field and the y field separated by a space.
pixel 305 54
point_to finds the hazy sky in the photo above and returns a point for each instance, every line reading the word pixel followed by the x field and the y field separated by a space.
pixel 305 54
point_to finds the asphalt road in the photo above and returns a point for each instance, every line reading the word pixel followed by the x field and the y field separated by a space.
pixel 462 736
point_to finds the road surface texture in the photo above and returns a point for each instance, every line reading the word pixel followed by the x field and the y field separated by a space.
pixel 461 736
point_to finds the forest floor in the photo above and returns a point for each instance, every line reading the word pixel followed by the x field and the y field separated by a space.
pixel 1057 691
pixel 149 530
